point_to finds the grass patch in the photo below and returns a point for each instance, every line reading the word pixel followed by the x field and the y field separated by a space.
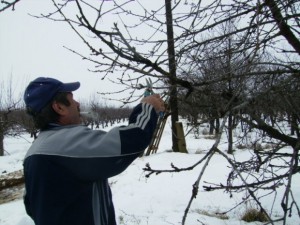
pixel 251 215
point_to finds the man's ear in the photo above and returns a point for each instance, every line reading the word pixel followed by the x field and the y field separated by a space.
pixel 58 108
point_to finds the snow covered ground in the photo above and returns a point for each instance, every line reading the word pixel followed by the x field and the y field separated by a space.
pixel 160 199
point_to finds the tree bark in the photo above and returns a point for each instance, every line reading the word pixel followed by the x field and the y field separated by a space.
pixel 11 179
pixel 230 134
pixel 172 71
pixel 1 143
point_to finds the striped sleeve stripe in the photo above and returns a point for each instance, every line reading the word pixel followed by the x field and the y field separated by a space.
pixel 144 117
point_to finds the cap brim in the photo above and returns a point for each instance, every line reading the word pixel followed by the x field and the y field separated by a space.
pixel 69 87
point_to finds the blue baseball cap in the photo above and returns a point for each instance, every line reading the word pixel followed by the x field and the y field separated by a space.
pixel 42 90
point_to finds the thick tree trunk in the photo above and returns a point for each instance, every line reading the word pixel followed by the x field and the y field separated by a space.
pixel 172 78
pixel 230 134
pixel 217 126
pixel 211 127
pixel 1 143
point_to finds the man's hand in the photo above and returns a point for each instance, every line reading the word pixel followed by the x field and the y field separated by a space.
pixel 156 101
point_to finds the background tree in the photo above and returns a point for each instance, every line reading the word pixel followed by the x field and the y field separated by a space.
pixel 9 103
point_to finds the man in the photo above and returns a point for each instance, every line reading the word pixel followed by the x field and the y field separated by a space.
pixel 67 167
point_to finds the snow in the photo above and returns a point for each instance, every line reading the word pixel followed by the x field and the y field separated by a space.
pixel 160 199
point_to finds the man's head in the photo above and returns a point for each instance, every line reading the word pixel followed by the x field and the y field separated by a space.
pixel 50 101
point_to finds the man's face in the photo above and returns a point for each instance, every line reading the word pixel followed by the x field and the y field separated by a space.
pixel 68 114
pixel 73 111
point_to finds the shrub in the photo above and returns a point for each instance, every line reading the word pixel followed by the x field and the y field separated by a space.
pixel 251 215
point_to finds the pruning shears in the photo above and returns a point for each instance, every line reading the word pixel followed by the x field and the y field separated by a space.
pixel 149 87
pixel 149 91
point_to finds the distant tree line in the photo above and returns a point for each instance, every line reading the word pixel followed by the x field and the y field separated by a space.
pixel 105 116
pixel 14 121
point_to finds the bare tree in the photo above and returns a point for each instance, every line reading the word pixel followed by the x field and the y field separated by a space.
pixel 8 104
pixel 270 74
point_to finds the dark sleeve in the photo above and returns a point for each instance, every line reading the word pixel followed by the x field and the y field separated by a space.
pixel 137 136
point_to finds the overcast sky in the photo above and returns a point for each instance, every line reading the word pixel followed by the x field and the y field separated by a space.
pixel 31 47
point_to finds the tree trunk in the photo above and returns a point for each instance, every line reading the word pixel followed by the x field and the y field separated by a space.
pixel 172 78
pixel 211 127
pixel 230 131
pixel 294 125
pixel 217 126
pixel 1 143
